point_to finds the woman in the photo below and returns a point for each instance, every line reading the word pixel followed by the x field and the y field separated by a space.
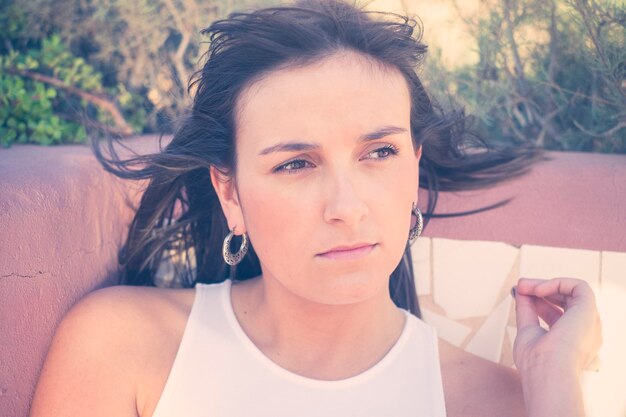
pixel 307 136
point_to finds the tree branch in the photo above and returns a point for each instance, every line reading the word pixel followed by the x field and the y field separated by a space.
pixel 121 126
pixel 609 132
pixel 178 57
pixel 582 8
pixel 519 67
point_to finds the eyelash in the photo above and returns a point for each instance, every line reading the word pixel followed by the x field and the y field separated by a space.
pixel 392 150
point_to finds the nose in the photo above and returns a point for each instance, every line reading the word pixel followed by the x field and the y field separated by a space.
pixel 343 202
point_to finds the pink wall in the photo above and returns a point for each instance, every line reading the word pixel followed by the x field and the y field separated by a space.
pixel 576 200
pixel 62 219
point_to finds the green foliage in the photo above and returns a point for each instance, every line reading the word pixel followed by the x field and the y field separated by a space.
pixel 40 92
pixel 26 111
pixel 48 95
pixel 136 55
pixel 551 73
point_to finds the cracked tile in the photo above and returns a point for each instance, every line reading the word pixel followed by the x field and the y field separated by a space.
pixel 547 262
pixel 511 331
pixel 614 268
pixel 449 330
pixel 468 276
pixel 604 390
pixel 487 342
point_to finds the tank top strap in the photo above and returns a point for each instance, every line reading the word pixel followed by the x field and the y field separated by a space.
pixel 205 323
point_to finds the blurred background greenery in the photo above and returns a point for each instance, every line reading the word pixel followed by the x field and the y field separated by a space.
pixel 548 72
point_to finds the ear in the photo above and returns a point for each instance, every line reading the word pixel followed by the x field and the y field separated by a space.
pixel 226 191
pixel 418 153
pixel 418 156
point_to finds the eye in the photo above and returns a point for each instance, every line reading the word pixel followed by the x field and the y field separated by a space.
pixel 382 153
pixel 294 166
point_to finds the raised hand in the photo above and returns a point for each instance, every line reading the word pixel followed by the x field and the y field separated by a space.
pixel 550 361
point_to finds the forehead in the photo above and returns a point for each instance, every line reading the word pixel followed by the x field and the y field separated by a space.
pixel 345 93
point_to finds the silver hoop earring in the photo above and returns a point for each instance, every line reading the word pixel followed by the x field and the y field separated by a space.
pixel 419 224
pixel 234 258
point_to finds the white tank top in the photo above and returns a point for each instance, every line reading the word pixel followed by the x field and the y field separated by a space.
pixel 219 372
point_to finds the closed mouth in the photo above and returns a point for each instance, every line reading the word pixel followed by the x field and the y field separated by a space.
pixel 348 252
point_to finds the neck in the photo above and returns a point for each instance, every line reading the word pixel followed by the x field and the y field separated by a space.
pixel 316 340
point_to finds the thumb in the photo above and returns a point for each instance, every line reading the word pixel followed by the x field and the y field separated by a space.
pixel 525 313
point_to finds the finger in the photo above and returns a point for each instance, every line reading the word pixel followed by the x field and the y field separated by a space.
pixel 547 311
pixel 575 291
pixel 525 313
pixel 572 290
pixel 558 300
pixel 527 285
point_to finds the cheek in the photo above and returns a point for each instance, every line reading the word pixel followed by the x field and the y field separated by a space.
pixel 392 212
pixel 276 222
pixel 394 189
pixel 392 207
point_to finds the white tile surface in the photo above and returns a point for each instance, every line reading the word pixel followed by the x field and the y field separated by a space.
pixel 511 331
pixel 547 262
pixel 487 342
pixel 420 253
pixel 448 330
pixel 604 390
pixel 614 268
pixel 468 275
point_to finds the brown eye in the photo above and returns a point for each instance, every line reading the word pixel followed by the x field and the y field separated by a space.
pixel 293 166
pixel 382 153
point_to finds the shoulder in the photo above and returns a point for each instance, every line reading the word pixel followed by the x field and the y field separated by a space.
pixel 108 345
pixel 474 386
pixel 128 306
pixel 126 317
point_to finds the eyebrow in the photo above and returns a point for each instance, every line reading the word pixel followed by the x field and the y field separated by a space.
pixel 304 146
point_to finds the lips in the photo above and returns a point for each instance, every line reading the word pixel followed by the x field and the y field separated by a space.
pixel 348 251
pixel 344 248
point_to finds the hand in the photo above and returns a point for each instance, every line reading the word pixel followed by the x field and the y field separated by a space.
pixel 568 306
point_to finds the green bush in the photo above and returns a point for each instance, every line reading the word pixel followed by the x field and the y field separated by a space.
pixel 123 67
pixel 27 114
pixel 42 92
pixel 550 73
pixel 120 66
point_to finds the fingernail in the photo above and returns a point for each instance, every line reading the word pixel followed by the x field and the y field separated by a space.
pixel 513 291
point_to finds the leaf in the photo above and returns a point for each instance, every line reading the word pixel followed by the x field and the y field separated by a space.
pixel 7 136
pixel 31 63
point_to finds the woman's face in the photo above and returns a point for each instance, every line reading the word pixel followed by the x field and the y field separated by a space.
pixel 325 162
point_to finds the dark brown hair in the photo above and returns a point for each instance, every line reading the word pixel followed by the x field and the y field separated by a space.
pixel 180 213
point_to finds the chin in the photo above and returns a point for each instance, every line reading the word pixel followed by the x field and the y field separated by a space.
pixel 351 288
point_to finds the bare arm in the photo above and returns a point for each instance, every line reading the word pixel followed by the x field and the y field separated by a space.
pixel 89 370
pixel 474 386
